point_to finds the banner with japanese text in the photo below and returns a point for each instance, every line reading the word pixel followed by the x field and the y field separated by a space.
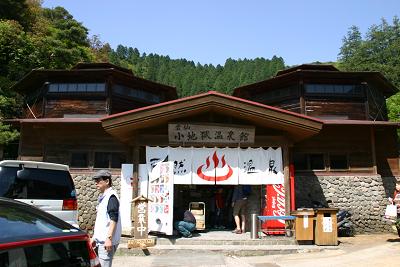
pixel 182 159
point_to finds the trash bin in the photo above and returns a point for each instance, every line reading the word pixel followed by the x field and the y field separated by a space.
pixel 326 227
pixel 304 224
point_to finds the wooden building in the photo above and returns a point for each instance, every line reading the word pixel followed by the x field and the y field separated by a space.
pixel 331 125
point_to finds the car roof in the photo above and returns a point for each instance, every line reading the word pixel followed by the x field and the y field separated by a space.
pixel 34 164
pixel 62 228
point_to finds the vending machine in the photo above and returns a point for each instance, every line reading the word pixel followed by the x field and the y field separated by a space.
pixel 275 205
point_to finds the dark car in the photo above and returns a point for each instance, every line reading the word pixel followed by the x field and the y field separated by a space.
pixel 32 237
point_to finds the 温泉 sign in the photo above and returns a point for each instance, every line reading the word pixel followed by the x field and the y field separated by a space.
pixel 181 133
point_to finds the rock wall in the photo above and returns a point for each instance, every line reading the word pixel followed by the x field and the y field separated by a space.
pixel 364 196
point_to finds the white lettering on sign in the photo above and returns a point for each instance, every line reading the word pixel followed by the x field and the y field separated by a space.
pixel 196 133
pixel 142 228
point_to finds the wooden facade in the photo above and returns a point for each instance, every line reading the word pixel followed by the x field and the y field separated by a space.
pixel 328 122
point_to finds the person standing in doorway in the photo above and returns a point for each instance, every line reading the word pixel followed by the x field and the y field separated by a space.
pixel 107 228
pixel 219 208
pixel 239 203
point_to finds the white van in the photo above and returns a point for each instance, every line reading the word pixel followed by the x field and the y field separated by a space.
pixel 47 186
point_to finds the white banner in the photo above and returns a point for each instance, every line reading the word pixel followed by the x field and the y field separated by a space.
pixel 227 170
pixel 161 192
pixel 218 166
pixel 274 172
pixel 253 166
pixel 203 166
pixel 182 159
pixel 154 156
pixel 126 197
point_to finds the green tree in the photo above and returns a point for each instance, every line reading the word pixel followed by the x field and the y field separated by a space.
pixel 379 50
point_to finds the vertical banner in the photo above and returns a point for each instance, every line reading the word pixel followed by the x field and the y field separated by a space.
pixel 154 156
pixel 253 166
pixel 182 159
pixel 274 172
pixel 126 197
pixel 203 165
pixel 161 192
pixel 227 169
pixel 143 180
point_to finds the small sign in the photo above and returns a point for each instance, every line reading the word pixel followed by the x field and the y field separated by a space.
pixel 141 243
pixel 206 133
pixel 305 221
pixel 327 225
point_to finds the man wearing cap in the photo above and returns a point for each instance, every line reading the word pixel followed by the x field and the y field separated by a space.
pixel 107 229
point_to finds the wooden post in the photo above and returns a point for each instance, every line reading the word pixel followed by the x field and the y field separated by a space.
pixel 135 174
pixel 373 150
pixel 302 101
pixel 286 177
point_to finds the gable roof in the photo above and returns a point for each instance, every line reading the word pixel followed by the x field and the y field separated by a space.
pixel 297 126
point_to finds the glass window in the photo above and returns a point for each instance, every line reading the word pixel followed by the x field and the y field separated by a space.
pixel 117 159
pixel 305 161
pixel 300 161
pixel 316 161
pixel 334 89
pixel 53 87
pixel 101 160
pixel 36 184
pixel 77 87
pixel 63 87
pixel 136 93
pixel 338 161
pixel 79 159
pixel 81 87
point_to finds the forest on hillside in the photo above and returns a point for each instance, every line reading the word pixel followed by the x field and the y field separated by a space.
pixel 34 37
pixel 190 78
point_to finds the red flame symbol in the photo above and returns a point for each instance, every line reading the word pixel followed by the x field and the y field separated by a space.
pixel 216 162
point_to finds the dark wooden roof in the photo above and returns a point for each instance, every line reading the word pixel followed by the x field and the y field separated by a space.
pixel 297 126
pixel 285 78
pixel 321 67
pixel 87 72
pixel 102 65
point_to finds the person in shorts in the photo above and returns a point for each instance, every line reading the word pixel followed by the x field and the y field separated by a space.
pixel 239 204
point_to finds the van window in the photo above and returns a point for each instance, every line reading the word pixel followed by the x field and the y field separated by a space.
pixel 36 184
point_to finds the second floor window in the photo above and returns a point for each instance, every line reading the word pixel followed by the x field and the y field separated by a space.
pixel 352 90
pixel 77 87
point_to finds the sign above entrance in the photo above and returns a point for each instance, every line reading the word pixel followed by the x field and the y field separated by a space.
pixel 187 133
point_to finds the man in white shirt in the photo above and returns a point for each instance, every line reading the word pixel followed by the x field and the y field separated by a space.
pixel 107 228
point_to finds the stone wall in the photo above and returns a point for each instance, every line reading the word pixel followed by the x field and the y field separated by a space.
pixel 364 196
pixel 88 194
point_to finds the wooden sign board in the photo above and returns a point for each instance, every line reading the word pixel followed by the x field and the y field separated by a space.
pixel 187 133
pixel 140 218
pixel 141 243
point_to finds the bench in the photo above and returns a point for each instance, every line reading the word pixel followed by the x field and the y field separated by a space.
pixel 288 222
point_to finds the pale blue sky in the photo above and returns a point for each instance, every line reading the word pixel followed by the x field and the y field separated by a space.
pixel 210 31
